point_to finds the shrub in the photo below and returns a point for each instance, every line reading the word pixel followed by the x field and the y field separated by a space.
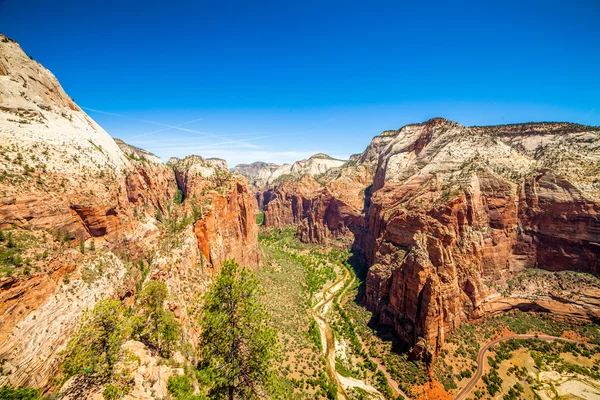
pixel 19 393
pixel 180 387
pixel 178 197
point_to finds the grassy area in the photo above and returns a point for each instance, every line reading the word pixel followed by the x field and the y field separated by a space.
pixel 286 278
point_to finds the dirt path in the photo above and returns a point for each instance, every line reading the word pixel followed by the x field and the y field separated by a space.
pixel 481 357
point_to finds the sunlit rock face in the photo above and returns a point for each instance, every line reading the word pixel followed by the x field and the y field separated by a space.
pixel 66 185
pixel 443 214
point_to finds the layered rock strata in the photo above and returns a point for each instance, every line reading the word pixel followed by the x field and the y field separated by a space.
pixel 445 215
pixel 91 217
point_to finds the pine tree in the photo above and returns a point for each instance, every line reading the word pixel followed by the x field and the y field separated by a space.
pixel 156 327
pixel 96 347
pixel 237 347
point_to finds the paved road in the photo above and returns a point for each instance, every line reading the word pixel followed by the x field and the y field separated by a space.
pixel 480 358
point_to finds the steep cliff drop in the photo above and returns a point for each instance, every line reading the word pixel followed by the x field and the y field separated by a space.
pixel 84 217
pixel 444 215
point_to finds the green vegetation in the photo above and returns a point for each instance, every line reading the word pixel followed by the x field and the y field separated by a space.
pixel 318 266
pixel 153 325
pixel 314 335
pixel 19 393
pixel 96 348
pixel 180 387
pixel 237 347
pixel 260 217
pixel 178 197
pixel 11 250
pixel 95 351
pixel 493 382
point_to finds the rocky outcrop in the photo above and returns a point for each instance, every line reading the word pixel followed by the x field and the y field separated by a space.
pixel 289 202
pixel 257 173
pixel 261 175
pixel 88 214
pixel 452 220
pixel 223 209
pixel 446 215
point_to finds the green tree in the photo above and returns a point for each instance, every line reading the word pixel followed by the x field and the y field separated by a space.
pixel 96 347
pixel 237 347
pixel 19 393
pixel 153 325
pixel 178 197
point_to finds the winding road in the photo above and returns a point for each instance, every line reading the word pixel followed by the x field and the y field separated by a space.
pixel 481 360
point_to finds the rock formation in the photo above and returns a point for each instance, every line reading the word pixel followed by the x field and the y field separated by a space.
pixel 445 215
pixel 225 210
pixel 459 210
pixel 90 216
pixel 257 173
pixel 261 174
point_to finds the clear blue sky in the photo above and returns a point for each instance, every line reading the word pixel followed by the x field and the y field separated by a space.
pixel 281 80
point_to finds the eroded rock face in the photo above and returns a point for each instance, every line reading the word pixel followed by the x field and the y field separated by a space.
pixel 90 211
pixel 445 215
pixel 224 211
pixel 261 175
pixel 257 173
pixel 330 207
pixel 452 219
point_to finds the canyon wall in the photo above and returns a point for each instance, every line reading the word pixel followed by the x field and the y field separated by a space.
pixel 446 215
pixel 84 217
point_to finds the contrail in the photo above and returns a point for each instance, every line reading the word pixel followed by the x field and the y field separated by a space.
pixel 172 127
pixel 163 129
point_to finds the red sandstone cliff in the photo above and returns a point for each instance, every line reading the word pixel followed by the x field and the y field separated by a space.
pixel 87 214
pixel 446 214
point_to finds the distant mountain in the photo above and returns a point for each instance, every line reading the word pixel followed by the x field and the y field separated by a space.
pixel 261 174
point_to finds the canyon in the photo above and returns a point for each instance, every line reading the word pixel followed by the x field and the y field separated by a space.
pixel 448 222
pixel 444 216
pixel 66 186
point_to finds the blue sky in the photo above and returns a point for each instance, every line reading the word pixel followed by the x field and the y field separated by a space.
pixel 278 80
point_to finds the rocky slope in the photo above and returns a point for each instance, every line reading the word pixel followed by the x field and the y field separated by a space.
pixel 83 217
pixel 445 215
pixel 261 174
pixel 257 173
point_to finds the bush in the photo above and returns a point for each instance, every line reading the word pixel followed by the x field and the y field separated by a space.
pixel 315 335
pixel 19 393
pixel 178 197
pixel 180 387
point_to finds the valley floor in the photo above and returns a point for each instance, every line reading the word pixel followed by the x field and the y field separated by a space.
pixel 311 290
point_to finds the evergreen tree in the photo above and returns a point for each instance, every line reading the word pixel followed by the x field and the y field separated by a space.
pixel 96 347
pixel 156 327
pixel 237 347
